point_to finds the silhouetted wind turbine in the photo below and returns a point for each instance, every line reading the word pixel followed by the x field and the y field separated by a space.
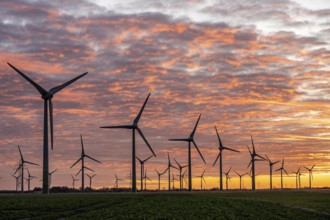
pixel 189 140
pixel 47 97
pixel 29 179
pixel 117 181
pixel 83 167
pixel 17 180
pixel 180 175
pixel 169 165
pixel 142 168
pixel 282 169
pixel 297 178
pixel 134 127
pixel 50 178
pixel 73 180
pixel 240 179
pixel 145 180
pixel 253 159
pixel 159 175
pixel 22 168
pixel 310 172
pixel 221 148
pixel 271 172
pixel 173 180
pixel 202 179
pixel 227 177
pixel 90 180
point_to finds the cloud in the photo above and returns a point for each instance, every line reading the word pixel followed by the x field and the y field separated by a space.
pixel 272 84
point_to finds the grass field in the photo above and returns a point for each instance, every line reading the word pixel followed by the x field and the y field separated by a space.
pixel 196 205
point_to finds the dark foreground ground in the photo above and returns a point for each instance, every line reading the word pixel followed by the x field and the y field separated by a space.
pixel 196 205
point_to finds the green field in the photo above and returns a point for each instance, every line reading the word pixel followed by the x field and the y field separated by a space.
pixel 196 205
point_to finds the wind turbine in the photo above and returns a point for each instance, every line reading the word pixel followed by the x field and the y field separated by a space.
pixel 159 175
pixel 47 97
pixel 253 159
pixel 145 180
pixel 282 169
pixel 190 140
pixel 173 180
pixel 271 172
pixel 17 180
pixel 310 172
pixel 202 179
pixel 169 165
pixel 50 178
pixel 221 148
pixel 83 167
pixel 73 180
pixel 297 178
pixel 134 127
pixel 240 179
pixel 227 177
pixel 142 168
pixel 90 180
pixel 29 179
pixel 117 181
pixel 180 175
pixel 21 166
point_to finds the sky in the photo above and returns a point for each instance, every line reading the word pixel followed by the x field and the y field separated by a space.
pixel 251 67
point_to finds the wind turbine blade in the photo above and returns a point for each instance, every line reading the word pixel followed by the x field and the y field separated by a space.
pixel 227 148
pixel 78 172
pixel 51 123
pixel 76 162
pixel 148 158
pixel 249 164
pixel 31 163
pixel 157 172
pixel 178 139
pixel 237 173
pixel 92 158
pixel 285 172
pixel 18 168
pixel 203 179
pixel 82 145
pixel 249 150
pixel 177 162
pixel 93 175
pixel 283 162
pixel 193 132
pixel 53 171
pixel 89 169
pixel 174 167
pixel 258 155
pixel 313 166
pixel 119 126
pixel 278 169
pixel 253 145
pixel 268 158
pixel 41 90
pixel 136 120
pixel 145 140
pixel 59 88
pixel 88 175
pixel 307 168
pixel 276 162
pixel 139 160
pixel 203 173
pixel 199 151
pixel 219 139
pixel 216 159
pixel 20 153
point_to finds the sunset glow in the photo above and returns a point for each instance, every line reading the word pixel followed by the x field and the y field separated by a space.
pixel 258 68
